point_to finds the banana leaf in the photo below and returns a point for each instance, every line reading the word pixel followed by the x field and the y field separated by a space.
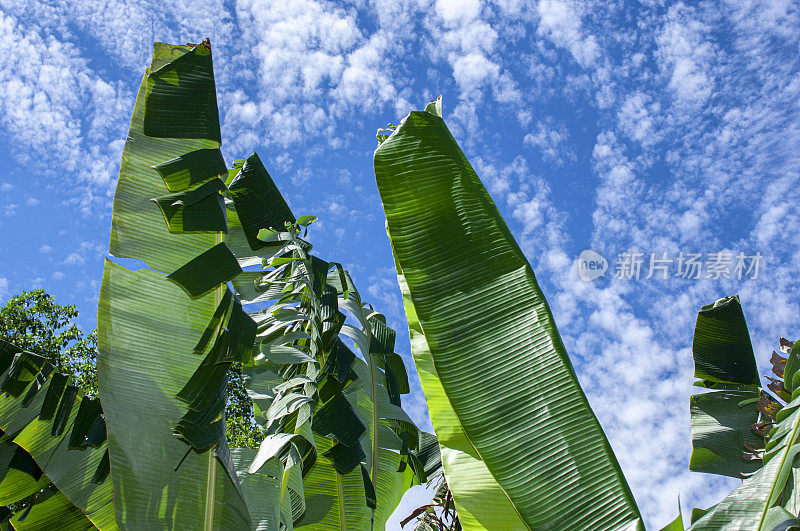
pixel 162 392
pixel 509 412
pixel 722 421
pixel 769 498
pixel 56 461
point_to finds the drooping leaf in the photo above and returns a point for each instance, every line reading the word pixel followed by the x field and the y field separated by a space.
pixel 192 168
pixel 182 97
pixel 137 224
pixel 720 430
pixel 769 498
pixel 44 459
pixel 52 510
pixel 158 479
pixel 722 421
pixel 261 489
pixel 181 473
pixel 200 209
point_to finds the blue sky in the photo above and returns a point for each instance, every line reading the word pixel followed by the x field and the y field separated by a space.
pixel 641 127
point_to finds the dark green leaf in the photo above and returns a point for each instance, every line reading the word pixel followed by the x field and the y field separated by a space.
pixel 258 202
pixel 395 363
pixel 720 429
pixel 102 470
pixel 383 337
pixel 337 420
pixel 193 168
pixel 369 489
pixel 23 462
pixel 340 359
pixel 429 453
pixel 23 371
pixel 37 384
pixel 205 272
pixel 182 98
pixel 64 408
pixel 53 396
pixel 88 412
pixel 345 458
pixel 211 327
pixel 721 348
pixel 201 209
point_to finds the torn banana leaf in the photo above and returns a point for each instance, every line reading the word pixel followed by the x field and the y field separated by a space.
pixel 161 372
pixel 155 164
pixel 41 455
pixel 148 329
pixel 723 420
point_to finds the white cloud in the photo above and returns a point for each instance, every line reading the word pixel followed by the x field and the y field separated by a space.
pixel 74 259
pixel 552 141
pixel 45 249
pixel 472 71
pixel 638 118
pixel 6 187
pixel 53 102
pixel 4 291
pixel 561 22
pixel 693 143
pixel 458 11
pixel 687 56
pixel 87 250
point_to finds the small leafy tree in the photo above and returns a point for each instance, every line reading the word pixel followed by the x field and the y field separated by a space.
pixel 34 321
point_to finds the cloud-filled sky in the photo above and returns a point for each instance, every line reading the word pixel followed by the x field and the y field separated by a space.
pixel 622 127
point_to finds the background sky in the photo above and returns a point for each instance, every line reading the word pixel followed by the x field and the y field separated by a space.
pixel 647 126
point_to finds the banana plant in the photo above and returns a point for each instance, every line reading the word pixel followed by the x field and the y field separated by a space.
pixel 54 467
pixel 742 430
pixel 169 333
pixel 519 442
pixel 334 414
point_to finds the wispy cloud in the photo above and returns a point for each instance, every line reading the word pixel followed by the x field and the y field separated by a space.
pixel 594 124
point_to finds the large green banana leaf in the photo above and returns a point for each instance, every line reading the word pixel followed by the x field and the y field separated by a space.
pixel 723 420
pixel 504 400
pixel 165 342
pixel 53 444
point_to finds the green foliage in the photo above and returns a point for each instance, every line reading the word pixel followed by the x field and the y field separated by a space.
pixel 740 429
pixel 722 419
pixel 167 342
pixel 53 459
pixel 328 416
pixel 34 321
pixel 520 443
pixel 242 430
